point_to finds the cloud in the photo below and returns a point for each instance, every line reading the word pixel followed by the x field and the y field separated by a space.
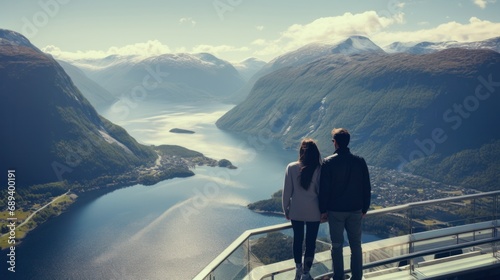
pixel 483 3
pixel 328 29
pixel 187 20
pixel 217 50
pixel 259 27
pixel 147 49
pixel 376 26
pixel 475 30
pixel 259 42
pixel 141 50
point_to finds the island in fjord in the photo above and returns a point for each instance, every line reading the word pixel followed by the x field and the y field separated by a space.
pixel 180 130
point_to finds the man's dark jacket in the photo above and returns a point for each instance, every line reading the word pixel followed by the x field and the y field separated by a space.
pixel 345 183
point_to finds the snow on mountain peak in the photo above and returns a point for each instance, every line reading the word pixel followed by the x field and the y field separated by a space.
pixel 351 45
pixel 430 47
pixel 355 45
pixel 95 64
pixel 251 62
pixel 201 60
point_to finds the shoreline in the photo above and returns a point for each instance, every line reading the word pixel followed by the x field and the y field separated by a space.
pixel 95 191
pixel 58 204
pixel 269 213
pixel 162 169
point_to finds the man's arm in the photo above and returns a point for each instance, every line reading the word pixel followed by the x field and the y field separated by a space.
pixel 367 189
pixel 324 188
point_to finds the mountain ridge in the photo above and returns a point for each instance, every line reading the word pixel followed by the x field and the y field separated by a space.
pixel 99 97
pixel 426 47
pixel 249 67
pixel 57 140
pixel 308 53
pixel 391 103
pixel 179 77
pixel 50 109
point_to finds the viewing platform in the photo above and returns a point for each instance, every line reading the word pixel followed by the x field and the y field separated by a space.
pixel 434 239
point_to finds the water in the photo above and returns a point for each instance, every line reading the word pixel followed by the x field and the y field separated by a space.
pixel 170 230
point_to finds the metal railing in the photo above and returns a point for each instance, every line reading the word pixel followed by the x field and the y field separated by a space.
pixel 409 230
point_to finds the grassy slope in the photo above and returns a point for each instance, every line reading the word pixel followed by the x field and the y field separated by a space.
pixel 389 103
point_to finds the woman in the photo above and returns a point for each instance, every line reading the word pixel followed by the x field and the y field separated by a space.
pixel 300 204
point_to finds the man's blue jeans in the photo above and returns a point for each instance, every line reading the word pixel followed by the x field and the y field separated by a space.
pixel 351 222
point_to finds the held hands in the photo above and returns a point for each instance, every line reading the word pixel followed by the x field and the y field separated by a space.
pixel 324 217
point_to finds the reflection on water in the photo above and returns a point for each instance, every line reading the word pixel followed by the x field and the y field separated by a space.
pixel 152 126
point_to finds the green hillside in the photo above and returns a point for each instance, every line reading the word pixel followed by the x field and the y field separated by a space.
pixel 52 133
pixel 431 114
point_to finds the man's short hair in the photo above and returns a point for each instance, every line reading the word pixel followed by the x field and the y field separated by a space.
pixel 341 136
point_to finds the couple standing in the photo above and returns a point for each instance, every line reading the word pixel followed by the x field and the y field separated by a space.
pixel 336 190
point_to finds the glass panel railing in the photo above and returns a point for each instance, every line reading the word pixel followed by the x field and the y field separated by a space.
pixel 235 266
pixel 395 233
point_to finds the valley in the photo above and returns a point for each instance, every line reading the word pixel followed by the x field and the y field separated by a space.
pixel 129 154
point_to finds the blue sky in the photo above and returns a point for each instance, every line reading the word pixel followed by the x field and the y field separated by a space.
pixel 238 29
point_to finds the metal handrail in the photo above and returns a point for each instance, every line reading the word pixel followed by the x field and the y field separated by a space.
pixel 420 254
pixel 251 232
pixel 492 224
pixel 430 202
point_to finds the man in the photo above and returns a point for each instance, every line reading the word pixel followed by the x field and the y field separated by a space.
pixel 344 199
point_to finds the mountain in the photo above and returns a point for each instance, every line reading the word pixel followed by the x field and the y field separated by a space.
pixel 14 39
pixel 248 67
pixel 167 78
pixel 490 44
pixel 431 47
pixel 350 46
pixel 417 48
pixel 50 131
pixel 93 65
pixel 105 71
pixel 433 114
pixel 99 97
pixel 308 53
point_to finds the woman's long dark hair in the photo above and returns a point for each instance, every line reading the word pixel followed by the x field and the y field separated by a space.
pixel 309 158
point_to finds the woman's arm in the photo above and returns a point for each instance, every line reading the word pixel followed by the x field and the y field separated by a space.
pixel 287 192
